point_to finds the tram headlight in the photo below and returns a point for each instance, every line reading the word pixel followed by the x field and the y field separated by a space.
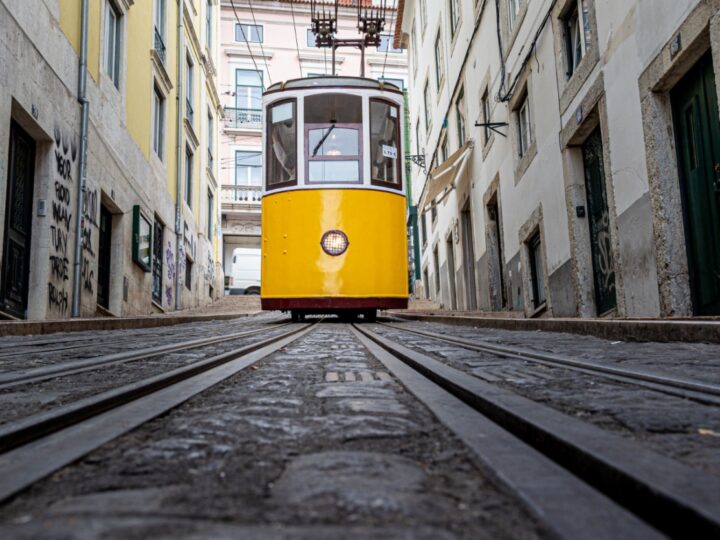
pixel 334 242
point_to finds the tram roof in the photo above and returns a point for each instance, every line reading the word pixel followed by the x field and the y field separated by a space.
pixel 333 82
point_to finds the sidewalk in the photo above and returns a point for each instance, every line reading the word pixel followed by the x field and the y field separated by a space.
pixel 694 330
pixel 228 307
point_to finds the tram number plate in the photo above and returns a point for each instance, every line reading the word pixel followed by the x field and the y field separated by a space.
pixel 389 151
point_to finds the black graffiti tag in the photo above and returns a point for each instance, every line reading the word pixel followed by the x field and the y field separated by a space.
pixel 57 298
pixel 59 267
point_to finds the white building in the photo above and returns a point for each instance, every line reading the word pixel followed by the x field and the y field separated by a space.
pixel 589 187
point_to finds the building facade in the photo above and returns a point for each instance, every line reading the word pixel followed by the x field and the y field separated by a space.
pixel 265 43
pixel 571 150
pixel 147 225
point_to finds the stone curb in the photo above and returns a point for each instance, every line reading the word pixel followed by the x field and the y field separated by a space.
pixel 27 328
pixel 659 330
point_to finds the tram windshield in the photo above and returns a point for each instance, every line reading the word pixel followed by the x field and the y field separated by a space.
pixel 333 135
pixel 282 144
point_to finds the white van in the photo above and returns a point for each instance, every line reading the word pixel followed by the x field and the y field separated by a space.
pixel 245 277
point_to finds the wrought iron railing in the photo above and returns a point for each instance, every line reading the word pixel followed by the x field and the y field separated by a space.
pixel 237 118
pixel 159 45
pixel 242 194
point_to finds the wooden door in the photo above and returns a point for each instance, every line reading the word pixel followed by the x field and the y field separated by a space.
pixel 697 131
pixel 18 219
pixel 104 259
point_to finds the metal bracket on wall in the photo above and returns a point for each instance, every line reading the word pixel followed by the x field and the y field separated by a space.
pixel 493 126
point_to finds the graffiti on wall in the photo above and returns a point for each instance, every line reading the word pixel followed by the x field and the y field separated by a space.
pixel 170 259
pixel 66 151
pixel 90 216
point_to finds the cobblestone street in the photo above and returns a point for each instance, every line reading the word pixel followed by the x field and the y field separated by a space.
pixel 325 436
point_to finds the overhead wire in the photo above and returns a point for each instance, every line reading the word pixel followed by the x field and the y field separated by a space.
pixel 391 33
pixel 297 45
pixel 252 56
pixel 262 50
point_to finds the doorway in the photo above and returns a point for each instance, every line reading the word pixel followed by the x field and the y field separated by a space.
pixel 599 224
pixel 697 131
pixel 451 272
pixel 498 295
pixel 469 256
pixel 104 262
pixel 18 221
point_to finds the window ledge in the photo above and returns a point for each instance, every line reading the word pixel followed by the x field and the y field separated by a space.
pixel 538 311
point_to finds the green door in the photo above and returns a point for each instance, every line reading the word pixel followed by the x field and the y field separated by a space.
pixel 697 130
pixel 599 223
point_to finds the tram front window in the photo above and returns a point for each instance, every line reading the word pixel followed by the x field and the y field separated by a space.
pixel 384 147
pixel 282 144
pixel 333 124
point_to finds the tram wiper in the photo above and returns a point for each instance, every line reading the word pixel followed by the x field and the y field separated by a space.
pixel 319 144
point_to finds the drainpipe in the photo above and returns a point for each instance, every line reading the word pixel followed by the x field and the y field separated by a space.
pixel 179 152
pixel 84 110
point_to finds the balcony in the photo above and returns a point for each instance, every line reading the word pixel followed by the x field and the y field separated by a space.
pixel 243 118
pixel 245 195
pixel 159 46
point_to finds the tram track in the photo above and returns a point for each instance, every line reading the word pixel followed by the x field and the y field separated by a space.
pixel 664 493
pixel 698 391
pixel 35 446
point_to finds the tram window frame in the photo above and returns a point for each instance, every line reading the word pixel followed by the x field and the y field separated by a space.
pixel 398 168
pixel 357 158
pixel 268 149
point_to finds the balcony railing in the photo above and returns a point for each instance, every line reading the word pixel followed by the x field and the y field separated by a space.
pixel 243 118
pixel 241 194
pixel 189 111
pixel 159 46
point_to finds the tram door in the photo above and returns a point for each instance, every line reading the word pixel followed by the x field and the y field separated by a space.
pixel 697 129
pixel 18 218
pixel 599 221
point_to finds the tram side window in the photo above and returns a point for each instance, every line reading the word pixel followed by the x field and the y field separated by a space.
pixel 384 143
pixel 333 138
pixel 282 144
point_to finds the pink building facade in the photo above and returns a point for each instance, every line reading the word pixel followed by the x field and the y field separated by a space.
pixel 270 43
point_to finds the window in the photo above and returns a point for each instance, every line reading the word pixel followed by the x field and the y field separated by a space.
pixel 210 141
pixel 423 229
pixel 413 50
pixel 454 16
pixel 439 61
pixel 514 7
pixel 158 140
pixel 537 273
pixel 189 76
pixel 112 43
pixel 576 28
pixel 188 175
pixel 386 44
pixel 460 117
pixel 157 260
pixel 159 20
pixel 333 135
pixel 208 25
pixel 248 168
pixel 188 273
pixel 141 239
pixel 310 38
pixel 252 33
pixel 524 127
pixel 443 150
pixel 433 213
pixel 384 143
pixel 248 90
pixel 211 211
pixel 426 284
pixel 485 108
pixel 436 264
pixel 281 144
pixel 426 100
pixel 397 82
pixel 423 13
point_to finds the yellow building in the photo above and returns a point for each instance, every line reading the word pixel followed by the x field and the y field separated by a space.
pixel 140 75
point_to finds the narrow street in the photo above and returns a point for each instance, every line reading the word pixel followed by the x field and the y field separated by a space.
pixel 329 429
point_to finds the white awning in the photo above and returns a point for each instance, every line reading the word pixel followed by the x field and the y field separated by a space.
pixel 444 177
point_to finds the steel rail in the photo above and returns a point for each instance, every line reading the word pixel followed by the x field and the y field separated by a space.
pixel 665 493
pixel 16 378
pixel 686 388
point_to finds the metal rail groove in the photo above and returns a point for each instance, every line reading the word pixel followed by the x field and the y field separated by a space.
pixel 38 445
pixel 665 493
pixel 696 390
pixel 16 378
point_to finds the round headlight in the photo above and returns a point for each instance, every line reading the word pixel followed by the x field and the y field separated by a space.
pixel 334 242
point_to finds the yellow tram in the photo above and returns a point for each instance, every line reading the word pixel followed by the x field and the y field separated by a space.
pixel 333 206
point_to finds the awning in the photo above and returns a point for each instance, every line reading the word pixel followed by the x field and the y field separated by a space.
pixel 446 174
